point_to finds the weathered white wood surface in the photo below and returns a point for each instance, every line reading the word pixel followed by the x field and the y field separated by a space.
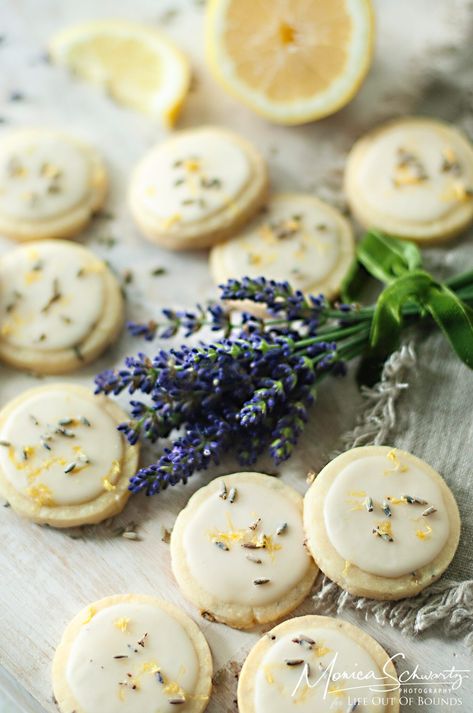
pixel 46 576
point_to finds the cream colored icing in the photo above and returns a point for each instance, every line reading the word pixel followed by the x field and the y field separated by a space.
pixel 191 178
pixel 52 295
pixel 414 173
pixel 42 176
pixel 48 433
pixel 230 574
pixel 156 647
pixel 416 539
pixel 295 239
pixel 334 659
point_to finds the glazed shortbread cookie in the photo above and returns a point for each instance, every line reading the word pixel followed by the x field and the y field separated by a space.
pixel 132 653
pixel 197 188
pixel 54 468
pixel 238 550
pixel 298 238
pixel 381 523
pixel 316 663
pixel 60 307
pixel 50 184
pixel 412 178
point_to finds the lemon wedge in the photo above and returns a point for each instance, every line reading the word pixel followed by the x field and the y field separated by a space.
pixel 136 65
pixel 291 61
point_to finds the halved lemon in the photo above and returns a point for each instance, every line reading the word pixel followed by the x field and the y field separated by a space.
pixel 135 64
pixel 291 61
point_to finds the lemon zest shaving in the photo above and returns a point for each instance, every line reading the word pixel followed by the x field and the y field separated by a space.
pixel 449 154
pixel 6 329
pixel 108 485
pixel 122 623
pixel 396 501
pixel 461 192
pixel 32 253
pixel 170 221
pixel 33 473
pixel 356 506
pixel 398 467
pixel 234 535
pixel 41 494
pixel 192 165
pixel 150 667
pixel 97 266
pixel 385 527
pixel 231 204
pixel 354 495
pixel 424 534
pixel 405 177
pixel 174 688
pixel 255 259
pixel 32 276
pixel 91 612
pixel 336 689
pixel 107 480
pixel 267 674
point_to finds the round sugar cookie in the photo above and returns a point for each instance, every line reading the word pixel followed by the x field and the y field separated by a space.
pixel 132 653
pixel 412 178
pixel 50 184
pixel 60 307
pixel 238 551
pixel 381 523
pixel 318 663
pixel 54 468
pixel 197 188
pixel 298 238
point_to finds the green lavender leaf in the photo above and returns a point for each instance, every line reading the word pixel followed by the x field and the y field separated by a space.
pixel 383 257
pixel 387 258
pixel 455 319
pixel 353 282
pixel 453 316
pixel 388 316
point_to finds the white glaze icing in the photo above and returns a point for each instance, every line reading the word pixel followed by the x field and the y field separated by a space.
pixel 230 574
pixel 416 539
pixel 192 177
pixel 37 455
pixel 94 675
pixel 42 176
pixel 334 659
pixel 296 239
pixel 393 189
pixel 30 276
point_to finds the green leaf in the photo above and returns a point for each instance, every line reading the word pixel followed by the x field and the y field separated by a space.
pixel 387 258
pixel 388 317
pixel 382 257
pixel 453 316
pixel 353 282
pixel 455 319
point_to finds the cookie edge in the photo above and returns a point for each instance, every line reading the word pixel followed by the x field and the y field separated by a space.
pixel 374 649
pixel 356 581
pixel 235 615
pixel 61 690
pixel 105 505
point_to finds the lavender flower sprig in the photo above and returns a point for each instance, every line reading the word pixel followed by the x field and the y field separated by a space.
pixel 250 390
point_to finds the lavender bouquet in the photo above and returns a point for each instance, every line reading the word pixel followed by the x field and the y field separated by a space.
pixel 250 390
